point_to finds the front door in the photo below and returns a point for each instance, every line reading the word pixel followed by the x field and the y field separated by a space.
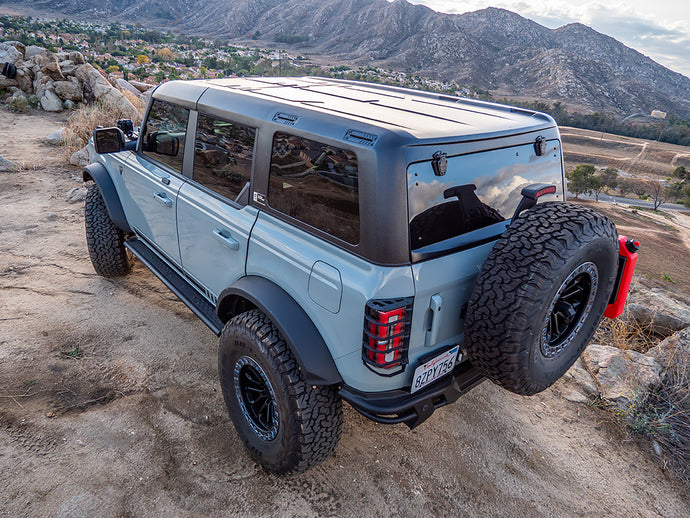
pixel 153 177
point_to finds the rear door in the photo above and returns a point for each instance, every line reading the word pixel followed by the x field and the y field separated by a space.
pixel 153 177
pixel 214 215
pixel 455 220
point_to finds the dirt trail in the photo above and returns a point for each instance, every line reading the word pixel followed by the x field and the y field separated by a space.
pixel 109 406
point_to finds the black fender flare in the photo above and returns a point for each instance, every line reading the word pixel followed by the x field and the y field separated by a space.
pixel 99 174
pixel 298 330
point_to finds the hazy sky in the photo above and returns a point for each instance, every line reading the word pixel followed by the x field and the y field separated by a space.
pixel 659 29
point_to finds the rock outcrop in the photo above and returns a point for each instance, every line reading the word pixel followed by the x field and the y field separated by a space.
pixel 621 375
pixel 58 80
pixel 656 311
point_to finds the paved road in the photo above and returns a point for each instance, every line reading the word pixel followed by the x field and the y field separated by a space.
pixel 631 201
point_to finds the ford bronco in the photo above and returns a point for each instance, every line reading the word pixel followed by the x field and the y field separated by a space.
pixel 358 242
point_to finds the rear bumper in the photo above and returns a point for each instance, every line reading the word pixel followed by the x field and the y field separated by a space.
pixel 399 406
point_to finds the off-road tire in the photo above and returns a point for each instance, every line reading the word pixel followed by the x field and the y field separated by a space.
pixel 308 420
pixel 507 323
pixel 104 240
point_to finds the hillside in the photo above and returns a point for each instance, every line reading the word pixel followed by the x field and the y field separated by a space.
pixel 632 156
pixel 493 48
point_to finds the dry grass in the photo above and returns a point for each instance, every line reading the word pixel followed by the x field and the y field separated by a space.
pixel 82 122
pixel 626 334
pixel 664 416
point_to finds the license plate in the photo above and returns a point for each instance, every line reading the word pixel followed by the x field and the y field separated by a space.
pixel 434 369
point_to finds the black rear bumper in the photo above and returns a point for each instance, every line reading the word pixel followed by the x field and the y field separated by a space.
pixel 399 406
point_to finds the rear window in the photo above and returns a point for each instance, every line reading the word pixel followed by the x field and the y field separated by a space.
pixel 477 196
pixel 317 184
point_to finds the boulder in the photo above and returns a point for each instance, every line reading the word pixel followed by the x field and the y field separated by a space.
pixel 11 52
pixel 80 158
pixel 142 87
pixel 44 58
pixel 76 194
pixel 77 57
pixel 657 310
pixel 96 86
pixel 55 138
pixel 69 105
pixel 125 86
pixel 6 83
pixel 53 71
pixel 42 83
pixel 50 102
pixel 673 354
pixel 32 50
pixel 68 68
pixel 69 90
pixel 18 102
pixel 25 78
pixel 581 377
pixel 621 375
pixel 6 165
pixel 674 351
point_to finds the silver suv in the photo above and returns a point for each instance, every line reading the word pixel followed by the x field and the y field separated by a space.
pixel 353 241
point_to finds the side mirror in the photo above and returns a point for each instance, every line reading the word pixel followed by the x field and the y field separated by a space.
pixel 163 143
pixel 108 140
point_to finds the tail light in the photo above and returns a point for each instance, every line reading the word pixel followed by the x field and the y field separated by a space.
pixel 387 335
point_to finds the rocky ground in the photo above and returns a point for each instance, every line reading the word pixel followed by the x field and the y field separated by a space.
pixel 110 405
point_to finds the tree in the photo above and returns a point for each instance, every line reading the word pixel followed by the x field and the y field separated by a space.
pixel 658 192
pixel 624 186
pixel 639 187
pixel 596 185
pixel 142 59
pixel 580 179
pixel 112 68
pixel 165 54
pixel 681 172
pixel 686 193
pixel 609 178
pixel 159 77
pixel 141 73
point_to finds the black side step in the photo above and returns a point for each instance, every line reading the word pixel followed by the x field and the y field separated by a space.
pixel 180 286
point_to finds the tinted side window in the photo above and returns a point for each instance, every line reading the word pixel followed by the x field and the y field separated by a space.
pixel 166 128
pixel 223 155
pixel 317 184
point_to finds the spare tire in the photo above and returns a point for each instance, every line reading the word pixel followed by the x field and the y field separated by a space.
pixel 540 295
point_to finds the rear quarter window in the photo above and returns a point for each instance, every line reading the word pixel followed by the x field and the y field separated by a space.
pixel 317 184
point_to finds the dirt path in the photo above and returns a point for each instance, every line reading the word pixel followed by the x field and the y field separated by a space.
pixel 109 406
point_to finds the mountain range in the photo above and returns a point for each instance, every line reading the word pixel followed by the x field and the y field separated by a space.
pixel 494 49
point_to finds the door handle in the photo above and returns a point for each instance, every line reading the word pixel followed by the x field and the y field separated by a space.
pixel 163 199
pixel 229 241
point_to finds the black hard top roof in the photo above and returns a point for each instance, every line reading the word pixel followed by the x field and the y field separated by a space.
pixel 411 113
